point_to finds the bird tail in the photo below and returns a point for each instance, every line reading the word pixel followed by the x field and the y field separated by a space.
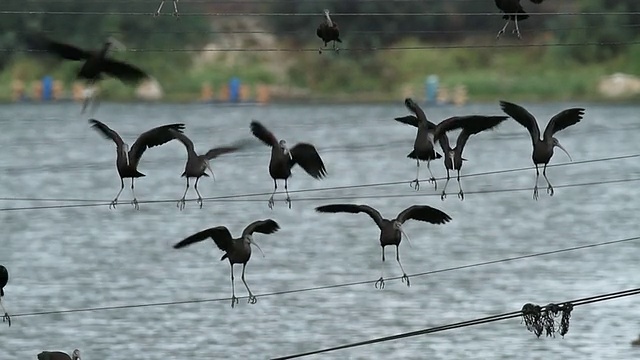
pixel 1 292
pixel 138 174
pixel 435 155
pixel 223 257
pixel 338 40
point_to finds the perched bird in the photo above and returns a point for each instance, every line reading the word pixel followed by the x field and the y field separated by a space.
pixel 175 8
pixel 4 279
pixel 238 250
pixel 127 160
pixel 427 136
pixel 513 12
pixel 543 149
pixel 58 355
pixel 391 230
pixel 197 164
pixel 283 159
pixel 328 31
pixel 96 63
pixel 453 157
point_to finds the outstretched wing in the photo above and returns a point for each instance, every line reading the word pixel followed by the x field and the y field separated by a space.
pixel 267 226
pixel 154 137
pixel 353 209
pixel 106 131
pixel 420 115
pixel 308 158
pixel 523 117
pixel 183 139
pixel 126 72
pixel 477 124
pixel 563 120
pixel 423 213
pixel 220 235
pixel 40 42
pixel 215 152
pixel 409 120
pixel 263 134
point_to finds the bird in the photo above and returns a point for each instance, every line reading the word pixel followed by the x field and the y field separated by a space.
pixel 543 149
pixel 127 159
pixel 428 134
pixel 96 63
pixel 328 31
pixel 513 12
pixel 283 159
pixel 453 157
pixel 175 8
pixel 237 250
pixel 59 355
pixel 391 230
pixel 4 279
pixel 197 165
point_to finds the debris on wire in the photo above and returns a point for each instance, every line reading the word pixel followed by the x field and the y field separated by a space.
pixel 539 319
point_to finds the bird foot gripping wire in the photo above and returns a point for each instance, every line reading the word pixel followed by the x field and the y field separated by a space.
pixel 461 195
pixel 550 190
pixel 199 201
pixel 271 202
pixel 113 204
pixel 6 318
pixel 181 204
pixel 252 299
pixel 435 183
pixel 234 301
pixel 443 195
pixel 288 201
pixel 405 278
pixel 415 184
pixel 538 319
pixel 134 202
pixel 379 284
pixel 535 193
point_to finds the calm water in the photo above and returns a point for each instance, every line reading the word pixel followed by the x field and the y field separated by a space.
pixel 82 257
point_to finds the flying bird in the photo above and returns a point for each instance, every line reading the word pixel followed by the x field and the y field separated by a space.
pixel 283 159
pixel 96 63
pixel 237 250
pixel 453 156
pixel 328 31
pixel 4 279
pixel 175 8
pixel 58 355
pixel 127 160
pixel 543 149
pixel 391 230
pixel 197 165
pixel 513 11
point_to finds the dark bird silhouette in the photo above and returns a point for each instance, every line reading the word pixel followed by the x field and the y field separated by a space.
pixel 58 355
pixel 428 134
pixel 96 63
pixel 175 8
pixel 453 157
pixel 198 164
pixel 513 11
pixel 328 31
pixel 4 279
pixel 237 250
pixel 127 160
pixel 283 159
pixel 543 149
pixel 391 230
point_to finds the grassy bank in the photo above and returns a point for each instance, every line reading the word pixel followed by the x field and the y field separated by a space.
pixel 522 73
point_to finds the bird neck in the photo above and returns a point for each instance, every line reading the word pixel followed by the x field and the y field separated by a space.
pixel 328 18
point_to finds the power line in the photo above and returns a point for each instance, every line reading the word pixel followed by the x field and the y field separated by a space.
pixel 237 2
pixel 484 320
pixel 334 286
pixel 314 14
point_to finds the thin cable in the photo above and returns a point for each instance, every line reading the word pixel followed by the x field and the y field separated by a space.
pixel 314 14
pixel 484 320
pixel 334 286
pixel 236 2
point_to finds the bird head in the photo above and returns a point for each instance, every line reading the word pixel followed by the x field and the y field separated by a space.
pixel 326 15
pixel 410 104
pixel 452 154
pixel 284 148
pixel 75 355
pixel 250 240
pixel 557 143
pixel 398 226
pixel 125 150
pixel 114 43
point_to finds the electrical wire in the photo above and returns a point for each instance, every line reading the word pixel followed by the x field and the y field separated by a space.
pixel 313 14
pixel 333 286
pixel 484 320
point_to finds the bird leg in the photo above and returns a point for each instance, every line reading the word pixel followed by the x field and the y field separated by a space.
pixel 252 298
pixel 444 193
pixel 549 187
pixel 275 188
pixel 6 316
pixel 417 180
pixel 175 8
pixel 535 188
pixel 320 49
pixel 288 199
pixel 199 201
pixel 380 283
pixel 404 274
pixel 159 8
pixel 503 29
pixel 134 202
pixel 234 299
pixel 336 49
pixel 461 193
pixel 89 97
pixel 180 203
pixel 432 178
pixel 517 29
pixel 114 202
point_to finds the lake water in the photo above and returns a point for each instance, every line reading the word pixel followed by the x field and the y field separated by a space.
pixel 85 257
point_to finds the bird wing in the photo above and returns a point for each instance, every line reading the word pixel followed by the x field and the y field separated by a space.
pixel 523 117
pixel 423 213
pixel 444 144
pixel 537 1
pixel 474 124
pixel 353 209
pixel 308 158
pixel 183 139
pixel 43 43
pixel 106 131
pixel 263 134
pixel 123 71
pixel 154 137
pixel 4 278
pixel 53 355
pixel 563 120
pixel 421 116
pixel 261 226
pixel 409 120
pixel 217 151
pixel 219 234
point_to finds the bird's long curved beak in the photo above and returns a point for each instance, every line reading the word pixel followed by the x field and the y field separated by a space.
pixel 117 44
pixel 326 15
pixel 407 236
pixel 256 244
pixel 565 151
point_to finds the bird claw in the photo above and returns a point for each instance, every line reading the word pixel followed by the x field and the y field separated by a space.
pixel 199 201
pixel 134 202
pixel 417 184
pixel 181 204
pixel 271 203
pixel 535 193
pixel 406 278
pixel 6 318
pixel 461 195
pixel 550 190
pixel 443 195
pixel 499 34
pixel 252 299
pixel 337 50
pixel 320 51
pixel 288 201
pixel 113 204
pixel 379 284
pixel 234 301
